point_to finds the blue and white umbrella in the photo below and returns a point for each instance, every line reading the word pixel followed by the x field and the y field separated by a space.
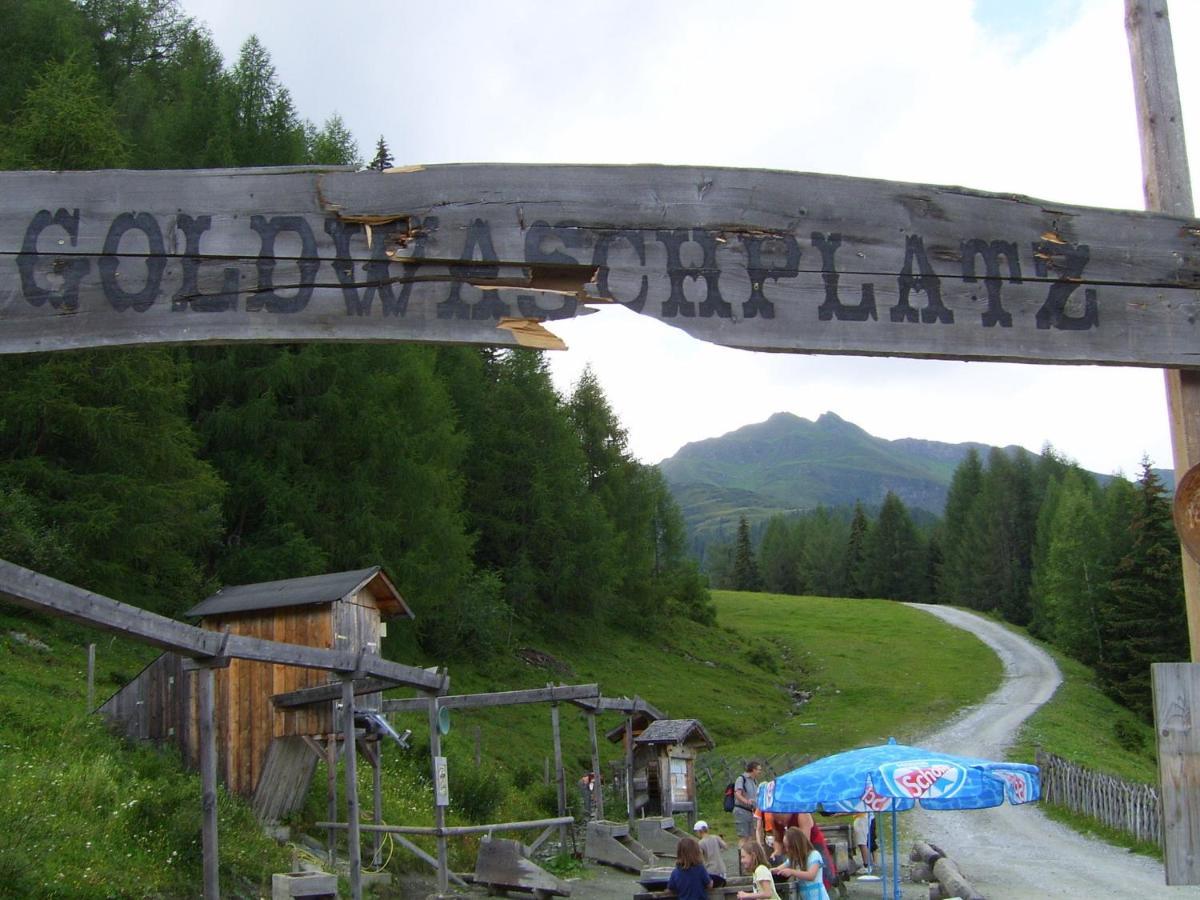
pixel 893 777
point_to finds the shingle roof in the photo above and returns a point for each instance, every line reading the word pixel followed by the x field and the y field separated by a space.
pixel 304 592
pixel 673 731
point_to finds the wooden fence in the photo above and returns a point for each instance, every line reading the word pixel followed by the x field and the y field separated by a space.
pixel 1133 808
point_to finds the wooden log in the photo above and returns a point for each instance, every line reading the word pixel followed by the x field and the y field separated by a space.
pixel 1176 697
pixel 354 849
pixel 33 590
pixel 549 694
pixel 762 260
pixel 208 786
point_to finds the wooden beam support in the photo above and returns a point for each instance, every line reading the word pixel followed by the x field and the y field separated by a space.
pixel 792 262
pixel 354 841
pixel 551 694
pixel 33 590
pixel 1168 189
pixel 208 784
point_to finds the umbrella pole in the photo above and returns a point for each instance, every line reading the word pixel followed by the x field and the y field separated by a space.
pixel 895 855
pixel 883 866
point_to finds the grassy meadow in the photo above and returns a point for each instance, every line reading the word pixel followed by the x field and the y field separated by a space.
pixel 780 678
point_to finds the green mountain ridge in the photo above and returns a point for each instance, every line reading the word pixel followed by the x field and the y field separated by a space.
pixel 788 465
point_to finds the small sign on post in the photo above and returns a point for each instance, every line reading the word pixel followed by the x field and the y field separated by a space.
pixel 441 781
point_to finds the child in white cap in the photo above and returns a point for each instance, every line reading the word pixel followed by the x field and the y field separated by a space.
pixel 711 846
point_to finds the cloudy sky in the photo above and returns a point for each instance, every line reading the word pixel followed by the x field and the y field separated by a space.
pixel 1020 96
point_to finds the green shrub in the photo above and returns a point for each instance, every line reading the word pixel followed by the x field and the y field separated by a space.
pixel 1130 736
pixel 477 792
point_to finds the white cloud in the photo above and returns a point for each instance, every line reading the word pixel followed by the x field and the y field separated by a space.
pixel 1039 102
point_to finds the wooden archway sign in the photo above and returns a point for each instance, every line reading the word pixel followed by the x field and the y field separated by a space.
pixel 762 260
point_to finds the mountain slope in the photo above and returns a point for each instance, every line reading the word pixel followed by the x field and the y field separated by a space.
pixel 788 463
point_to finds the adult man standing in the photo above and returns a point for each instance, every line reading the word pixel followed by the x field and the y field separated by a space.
pixel 745 799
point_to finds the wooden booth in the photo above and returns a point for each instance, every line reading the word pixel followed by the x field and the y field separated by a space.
pixel 663 762
pixel 266 753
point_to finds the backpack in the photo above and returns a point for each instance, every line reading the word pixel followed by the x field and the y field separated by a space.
pixel 729 798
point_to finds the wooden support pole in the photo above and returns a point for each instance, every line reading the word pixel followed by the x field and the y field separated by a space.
pixel 559 775
pixel 439 802
pixel 598 788
pixel 208 785
pixel 354 849
pixel 629 768
pixel 91 678
pixel 331 795
pixel 377 791
pixel 1168 189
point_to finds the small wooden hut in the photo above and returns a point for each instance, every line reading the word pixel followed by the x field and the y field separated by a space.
pixel 664 759
pixel 265 753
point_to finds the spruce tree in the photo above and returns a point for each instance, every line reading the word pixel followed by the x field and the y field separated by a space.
pixel 383 156
pixel 957 564
pixel 855 552
pixel 1144 616
pixel 745 570
pixel 894 556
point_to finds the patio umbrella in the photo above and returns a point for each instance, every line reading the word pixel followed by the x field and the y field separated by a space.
pixel 893 777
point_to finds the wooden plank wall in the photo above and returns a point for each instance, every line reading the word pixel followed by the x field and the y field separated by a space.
pixel 160 704
pixel 247 720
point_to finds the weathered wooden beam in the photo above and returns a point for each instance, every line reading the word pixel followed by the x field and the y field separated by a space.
pixel 763 260
pixel 326 692
pixel 622 705
pixel 569 692
pixel 33 590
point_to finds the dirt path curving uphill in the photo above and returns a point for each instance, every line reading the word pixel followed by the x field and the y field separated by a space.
pixel 1015 852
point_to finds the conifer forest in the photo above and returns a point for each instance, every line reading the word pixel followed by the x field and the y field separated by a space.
pixel 498 506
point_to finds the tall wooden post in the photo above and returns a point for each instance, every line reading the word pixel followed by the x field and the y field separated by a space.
pixel 331 795
pixel 598 790
pixel 91 678
pixel 1168 189
pixel 559 775
pixel 629 764
pixel 353 832
pixel 439 801
pixel 377 794
pixel 208 784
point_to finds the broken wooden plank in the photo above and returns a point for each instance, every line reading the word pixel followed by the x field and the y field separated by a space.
pixel 756 259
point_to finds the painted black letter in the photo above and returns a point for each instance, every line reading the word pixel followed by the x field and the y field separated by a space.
pixel 833 307
pixel 995 314
pixel 1053 313
pixel 35 294
pixel 758 304
pixel 676 304
pixel 188 296
pixel 927 283
pixel 268 230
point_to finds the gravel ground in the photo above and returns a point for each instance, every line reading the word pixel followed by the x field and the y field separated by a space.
pixel 1015 852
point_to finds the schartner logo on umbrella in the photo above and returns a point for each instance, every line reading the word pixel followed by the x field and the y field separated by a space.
pixel 923 780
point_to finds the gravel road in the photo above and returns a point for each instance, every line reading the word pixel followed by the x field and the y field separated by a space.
pixel 1015 852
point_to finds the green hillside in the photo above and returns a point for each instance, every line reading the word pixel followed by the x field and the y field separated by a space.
pixel 780 678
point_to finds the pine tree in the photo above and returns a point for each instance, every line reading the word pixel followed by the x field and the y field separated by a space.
pixel 1073 579
pixel 779 557
pixel 1144 616
pixel 957 564
pixel 745 570
pixel 383 156
pixel 893 555
pixel 333 145
pixel 856 552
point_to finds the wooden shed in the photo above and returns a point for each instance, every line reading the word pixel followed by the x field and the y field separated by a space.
pixel 263 752
pixel 664 760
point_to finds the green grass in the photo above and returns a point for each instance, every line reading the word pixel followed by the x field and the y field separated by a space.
pixel 118 820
